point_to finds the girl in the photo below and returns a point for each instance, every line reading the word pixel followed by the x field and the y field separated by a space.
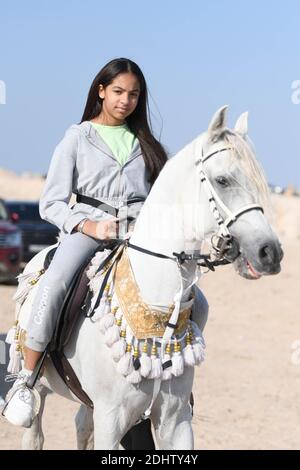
pixel 110 158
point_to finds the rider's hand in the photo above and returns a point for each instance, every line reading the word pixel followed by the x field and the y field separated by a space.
pixel 102 230
pixel 107 229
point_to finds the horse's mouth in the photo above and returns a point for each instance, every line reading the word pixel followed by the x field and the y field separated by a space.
pixel 246 269
pixel 254 274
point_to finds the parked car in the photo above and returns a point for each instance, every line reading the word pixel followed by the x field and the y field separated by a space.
pixel 10 246
pixel 36 232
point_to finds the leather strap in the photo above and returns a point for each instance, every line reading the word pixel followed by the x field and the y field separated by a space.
pixel 103 205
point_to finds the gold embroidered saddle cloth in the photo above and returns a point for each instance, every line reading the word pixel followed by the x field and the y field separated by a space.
pixel 144 321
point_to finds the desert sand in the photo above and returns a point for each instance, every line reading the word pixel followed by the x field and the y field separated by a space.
pixel 247 392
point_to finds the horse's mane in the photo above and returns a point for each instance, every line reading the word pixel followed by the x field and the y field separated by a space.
pixel 244 151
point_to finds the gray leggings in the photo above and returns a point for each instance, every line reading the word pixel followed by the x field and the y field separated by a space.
pixel 72 252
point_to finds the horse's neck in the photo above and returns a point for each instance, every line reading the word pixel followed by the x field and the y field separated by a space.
pixel 161 228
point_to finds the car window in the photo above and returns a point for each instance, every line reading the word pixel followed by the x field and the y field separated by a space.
pixel 3 212
pixel 25 211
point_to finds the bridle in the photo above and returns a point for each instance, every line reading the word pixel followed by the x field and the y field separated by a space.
pixel 226 247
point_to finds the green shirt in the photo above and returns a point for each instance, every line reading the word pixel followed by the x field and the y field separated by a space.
pixel 119 139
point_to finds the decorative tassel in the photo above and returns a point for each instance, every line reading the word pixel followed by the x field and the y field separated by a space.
pixel 119 348
pixel 10 337
pixel 135 376
pixel 107 321
pixel 196 332
pixel 90 273
pixel 145 361
pixel 99 312
pixel 15 363
pixel 167 373
pixel 95 263
pixel 188 353
pixel 112 335
pixel 167 363
pixel 107 307
pixel 125 365
pixel 199 353
pixel 177 360
pixel 156 368
pixel 103 309
pixel 26 283
pixel 198 343
pixel 114 302
pixel 188 356
pixel 95 284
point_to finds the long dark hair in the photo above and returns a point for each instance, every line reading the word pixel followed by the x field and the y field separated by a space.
pixel 153 152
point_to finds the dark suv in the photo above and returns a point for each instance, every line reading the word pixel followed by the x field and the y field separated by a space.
pixel 36 232
pixel 10 246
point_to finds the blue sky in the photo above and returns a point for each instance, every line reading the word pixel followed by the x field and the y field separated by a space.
pixel 196 56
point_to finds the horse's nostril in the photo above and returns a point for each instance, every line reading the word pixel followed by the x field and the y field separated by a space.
pixel 267 254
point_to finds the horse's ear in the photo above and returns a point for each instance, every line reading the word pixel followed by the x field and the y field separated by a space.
pixel 241 126
pixel 217 124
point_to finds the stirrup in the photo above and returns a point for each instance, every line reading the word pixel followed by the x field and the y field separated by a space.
pixel 36 405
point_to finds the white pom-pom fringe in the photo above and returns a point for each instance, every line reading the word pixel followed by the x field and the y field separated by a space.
pixel 188 355
pixel 156 368
pixel 24 286
pixel 98 313
pixel 106 322
pixel 134 377
pixel 199 353
pixel 95 284
pixel 125 365
pixel 146 364
pixel 167 373
pixel 118 349
pixel 15 362
pixel 90 273
pixel 10 337
pixel 177 364
pixel 112 335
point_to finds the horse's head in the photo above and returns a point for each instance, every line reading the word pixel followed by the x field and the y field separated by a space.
pixel 234 183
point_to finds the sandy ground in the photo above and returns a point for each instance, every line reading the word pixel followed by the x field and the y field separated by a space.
pixel 247 391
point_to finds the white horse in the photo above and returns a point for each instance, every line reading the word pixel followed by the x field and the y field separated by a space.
pixel 212 187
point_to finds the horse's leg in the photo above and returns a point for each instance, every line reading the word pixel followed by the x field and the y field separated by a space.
pixel 172 414
pixel 85 428
pixel 108 431
pixel 33 437
pixel 176 437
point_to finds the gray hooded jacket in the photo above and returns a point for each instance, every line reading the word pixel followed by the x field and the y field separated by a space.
pixel 83 164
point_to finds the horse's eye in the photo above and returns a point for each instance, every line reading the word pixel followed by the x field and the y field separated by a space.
pixel 222 181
